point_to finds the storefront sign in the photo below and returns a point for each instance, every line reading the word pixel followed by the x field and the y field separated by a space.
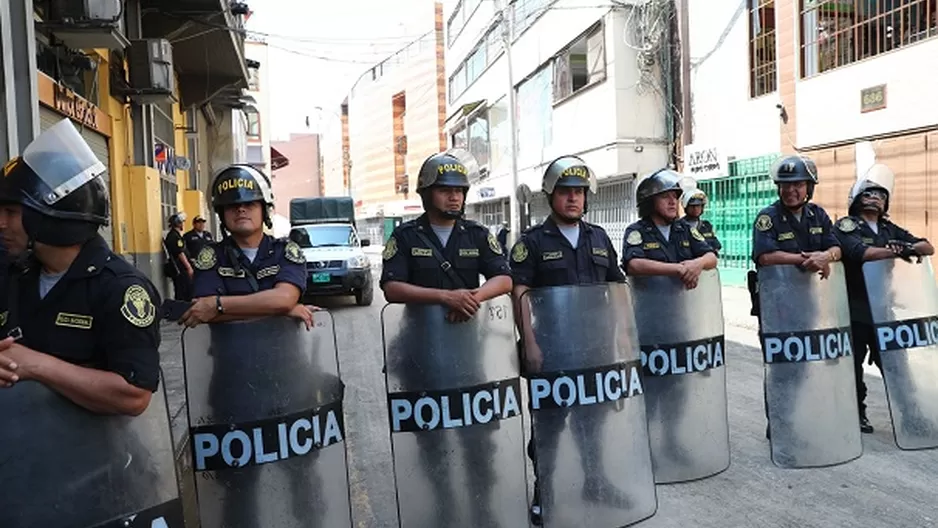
pixel 704 162
pixel 71 104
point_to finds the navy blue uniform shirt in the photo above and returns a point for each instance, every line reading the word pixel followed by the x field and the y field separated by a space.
pixel 543 257
pixel 221 268
pixel 644 240
pixel 196 240
pixel 706 229
pixel 776 229
pixel 471 250
pixel 103 314
pixel 855 236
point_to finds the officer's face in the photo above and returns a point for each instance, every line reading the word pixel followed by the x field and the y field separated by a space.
pixel 569 202
pixel 11 229
pixel 448 198
pixel 694 211
pixel 874 200
pixel 666 205
pixel 793 194
pixel 244 219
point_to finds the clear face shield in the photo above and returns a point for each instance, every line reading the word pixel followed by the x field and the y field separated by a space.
pixel 62 161
pixel 569 168
pixel 873 189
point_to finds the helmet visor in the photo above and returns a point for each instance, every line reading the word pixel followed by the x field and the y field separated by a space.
pixel 468 161
pixel 62 161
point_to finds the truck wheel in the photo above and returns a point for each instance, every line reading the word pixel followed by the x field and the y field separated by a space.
pixel 365 296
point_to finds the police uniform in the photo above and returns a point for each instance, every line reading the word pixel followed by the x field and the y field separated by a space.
pixel 223 269
pixel 644 240
pixel 196 240
pixel 776 229
pixel 544 257
pixel 181 282
pixel 471 250
pixel 101 314
pixel 705 228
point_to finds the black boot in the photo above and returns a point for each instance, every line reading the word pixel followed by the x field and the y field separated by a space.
pixel 865 425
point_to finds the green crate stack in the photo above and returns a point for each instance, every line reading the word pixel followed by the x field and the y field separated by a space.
pixel 734 201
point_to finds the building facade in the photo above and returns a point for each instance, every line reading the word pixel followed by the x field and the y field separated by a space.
pixel 258 111
pixel 301 177
pixel 590 80
pixel 840 81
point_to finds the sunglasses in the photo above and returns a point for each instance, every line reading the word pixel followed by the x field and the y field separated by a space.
pixel 879 195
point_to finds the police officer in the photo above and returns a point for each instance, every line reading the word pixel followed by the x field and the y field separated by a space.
pixel 868 235
pixel 197 237
pixel 77 318
pixel 694 203
pixel 502 236
pixel 661 243
pixel 179 258
pixel 563 250
pixel 437 259
pixel 248 274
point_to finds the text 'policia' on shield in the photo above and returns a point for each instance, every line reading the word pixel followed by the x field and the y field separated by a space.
pixel 450 409
pixel 911 333
pixel 816 345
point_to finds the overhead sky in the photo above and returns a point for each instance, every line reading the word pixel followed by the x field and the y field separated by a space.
pixel 318 48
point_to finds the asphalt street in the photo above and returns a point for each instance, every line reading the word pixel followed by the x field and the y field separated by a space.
pixel 886 487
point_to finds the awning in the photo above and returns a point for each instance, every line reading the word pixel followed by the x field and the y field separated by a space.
pixel 277 160
pixel 465 110
pixel 208 47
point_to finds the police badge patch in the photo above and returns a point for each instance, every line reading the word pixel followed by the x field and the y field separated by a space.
pixel 180 242
pixel 846 224
pixel 206 259
pixel 519 253
pixel 293 254
pixel 696 234
pixel 137 308
pixel 634 238
pixel 390 249
pixel 764 222
pixel 494 245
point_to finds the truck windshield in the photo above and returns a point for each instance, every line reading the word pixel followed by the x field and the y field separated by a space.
pixel 323 236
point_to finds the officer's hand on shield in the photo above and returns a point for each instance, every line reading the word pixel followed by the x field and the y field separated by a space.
pixel 8 366
pixel 532 357
pixel 453 316
pixel 690 273
pixel 304 313
pixel 202 310
pixel 462 301
pixel 903 250
pixel 819 261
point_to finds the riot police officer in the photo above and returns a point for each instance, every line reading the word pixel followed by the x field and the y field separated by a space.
pixel 661 243
pixel 563 250
pixel 179 258
pixel 77 318
pixel 867 235
pixel 249 273
pixel 197 237
pixel 694 203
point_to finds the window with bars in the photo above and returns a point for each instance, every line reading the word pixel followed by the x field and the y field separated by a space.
pixel 835 33
pixel 164 131
pixel 762 48
pixel 582 64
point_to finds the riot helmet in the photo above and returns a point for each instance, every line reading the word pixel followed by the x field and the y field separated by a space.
pixel 571 172
pixel 878 178
pixel 693 197
pixel 177 219
pixel 452 168
pixel 656 183
pixel 796 168
pixel 238 184
pixel 58 182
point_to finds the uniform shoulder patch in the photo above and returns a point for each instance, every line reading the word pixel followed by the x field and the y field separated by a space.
pixel 206 259
pixel 494 245
pixel 519 253
pixel 846 224
pixel 696 234
pixel 764 222
pixel 138 309
pixel 390 249
pixel 634 238
pixel 293 253
pixel 179 242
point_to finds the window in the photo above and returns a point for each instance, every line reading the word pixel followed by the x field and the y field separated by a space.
pixel 479 138
pixel 193 150
pixel 254 125
pixel 486 51
pixel 535 115
pixel 168 199
pixel 475 63
pixel 499 137
pixel 525 12
pixel 459 138
pixel 457 83
pixel 762 56
pixel 838 32
pixel 459 18
pixel 580 65
pixel 254 79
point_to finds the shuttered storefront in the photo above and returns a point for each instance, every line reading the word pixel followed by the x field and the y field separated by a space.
pixel 98 144
pixel 612 208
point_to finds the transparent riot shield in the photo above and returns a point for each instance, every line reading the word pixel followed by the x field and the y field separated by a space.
pixel 904 305
pixel 682 348
pixel 64 466
pixel 454 406
pixel 808 353
pixel 266 424
pixel 590 437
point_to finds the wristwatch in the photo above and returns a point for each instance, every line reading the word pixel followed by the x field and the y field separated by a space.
pixel 218 306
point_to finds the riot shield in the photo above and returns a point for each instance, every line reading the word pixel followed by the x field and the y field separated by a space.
pixel 904 305
pixel 682 348
pixel 266 424
pixel 454 406
pixel 808 354
pixel 64 466
pixel 590 436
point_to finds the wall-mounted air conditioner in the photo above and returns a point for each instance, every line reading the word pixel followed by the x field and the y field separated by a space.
pixel 151 71
pixel 87 24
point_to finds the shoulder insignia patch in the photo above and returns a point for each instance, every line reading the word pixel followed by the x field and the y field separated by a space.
pixel 138 309
pixel 494 245
pixel 846 224
pixel 764 222
pixel 206 259
pixel 293 253
pixel 519 253
pixel 179 242
pixel 634 238
pixel 696 234
pixel 390 249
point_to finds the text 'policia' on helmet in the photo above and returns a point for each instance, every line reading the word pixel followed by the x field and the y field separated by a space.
pixel 662 181
pixel 568 171
pixel 878 177
pixel 237 184
pixel 452 168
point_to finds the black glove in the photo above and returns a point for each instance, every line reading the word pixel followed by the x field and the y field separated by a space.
pixel 903 250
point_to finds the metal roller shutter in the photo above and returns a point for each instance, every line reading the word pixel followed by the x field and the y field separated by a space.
pixel 99 146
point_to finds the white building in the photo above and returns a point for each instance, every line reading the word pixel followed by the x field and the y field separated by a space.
pixel 583 87
pixel 258 114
